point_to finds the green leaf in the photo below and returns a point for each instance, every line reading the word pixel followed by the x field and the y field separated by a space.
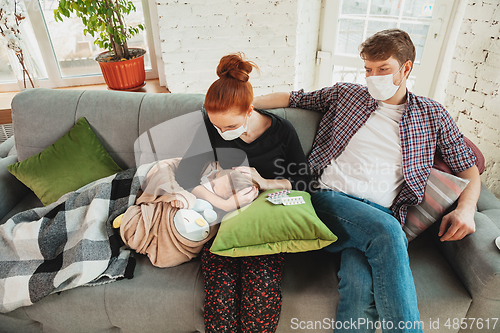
pixel 65 12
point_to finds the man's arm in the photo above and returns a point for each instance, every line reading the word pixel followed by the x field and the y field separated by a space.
pixel 272 101
pixel 460 222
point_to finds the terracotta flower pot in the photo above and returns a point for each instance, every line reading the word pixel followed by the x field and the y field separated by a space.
pixel 123 75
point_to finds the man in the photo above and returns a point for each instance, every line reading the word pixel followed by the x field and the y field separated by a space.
pixel 372 156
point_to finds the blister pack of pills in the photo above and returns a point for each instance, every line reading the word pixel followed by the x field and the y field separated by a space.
pixel 282 198
pixel 292 201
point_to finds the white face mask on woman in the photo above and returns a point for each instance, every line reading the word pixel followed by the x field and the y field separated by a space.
pixel 233 134
pixel 382 87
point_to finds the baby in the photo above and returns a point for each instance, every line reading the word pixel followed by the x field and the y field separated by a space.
pixel 225 189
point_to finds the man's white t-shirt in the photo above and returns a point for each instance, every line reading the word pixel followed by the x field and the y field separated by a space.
pixel 370 167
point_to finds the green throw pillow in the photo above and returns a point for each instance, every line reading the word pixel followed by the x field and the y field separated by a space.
pixel 76 159
pixel 264 228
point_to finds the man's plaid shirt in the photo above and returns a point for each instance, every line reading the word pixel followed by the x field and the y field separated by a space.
pixel 424 127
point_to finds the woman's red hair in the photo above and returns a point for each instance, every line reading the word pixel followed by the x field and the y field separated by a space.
pixel 232 89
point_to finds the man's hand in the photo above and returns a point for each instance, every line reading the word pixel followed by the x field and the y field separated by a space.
pixel 459 223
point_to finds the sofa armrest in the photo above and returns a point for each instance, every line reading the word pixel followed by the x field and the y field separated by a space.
pixel 476 259
pixel 11 189
pixel 6 146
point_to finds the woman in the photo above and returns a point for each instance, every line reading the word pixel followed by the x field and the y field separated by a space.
pixel 244 294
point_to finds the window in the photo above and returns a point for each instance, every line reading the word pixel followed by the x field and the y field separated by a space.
pixel 347 23
pixel 64 56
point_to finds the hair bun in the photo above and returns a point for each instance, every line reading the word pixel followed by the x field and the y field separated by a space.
pixel 237 74
pixel 234 66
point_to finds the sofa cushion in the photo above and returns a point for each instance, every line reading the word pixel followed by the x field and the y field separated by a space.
pixel 27 201
pixel 264 228
pixel 441 191
pixel 6 147
pixel 76 159
pixel 441 166
pixel 11 189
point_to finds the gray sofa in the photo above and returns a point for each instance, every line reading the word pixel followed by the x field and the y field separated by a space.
pixel 453 280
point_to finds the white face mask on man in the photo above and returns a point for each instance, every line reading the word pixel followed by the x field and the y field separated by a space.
pixel 233 134
pixel 382 87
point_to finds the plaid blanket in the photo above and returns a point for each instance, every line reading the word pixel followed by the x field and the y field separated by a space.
pixel 69 243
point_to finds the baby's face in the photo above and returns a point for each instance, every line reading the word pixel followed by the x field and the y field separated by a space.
pixel 222 187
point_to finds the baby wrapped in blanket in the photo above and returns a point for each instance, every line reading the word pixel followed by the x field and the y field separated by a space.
pixel 148 226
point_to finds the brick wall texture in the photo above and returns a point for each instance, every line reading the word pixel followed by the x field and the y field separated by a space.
pixel 280 36
pixel 472 90
pixel 195 34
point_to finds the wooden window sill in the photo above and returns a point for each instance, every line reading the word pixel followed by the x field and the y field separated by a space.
pixel 152 86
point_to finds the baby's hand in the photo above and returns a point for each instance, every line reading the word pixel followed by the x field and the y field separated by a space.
pixel 177 204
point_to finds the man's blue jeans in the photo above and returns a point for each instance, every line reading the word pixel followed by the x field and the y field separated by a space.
pixel 375 276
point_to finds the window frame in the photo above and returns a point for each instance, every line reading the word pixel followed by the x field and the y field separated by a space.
pixel 427 73
pixel 55 80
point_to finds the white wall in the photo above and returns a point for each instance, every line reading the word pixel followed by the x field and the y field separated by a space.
pixel 307 41
pixel 474 81
pixel 280 36
pixel 195 34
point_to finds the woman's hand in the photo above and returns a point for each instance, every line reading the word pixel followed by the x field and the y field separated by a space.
pixel 254 174
pixel 241 198
pixel 265 184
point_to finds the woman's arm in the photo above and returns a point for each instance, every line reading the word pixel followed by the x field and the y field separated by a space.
pixel 296 166
pixel 199 155
pixel 264 184
pixel 236 201
pixel 291 172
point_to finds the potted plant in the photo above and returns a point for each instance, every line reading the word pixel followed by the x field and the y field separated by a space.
pixel 122 67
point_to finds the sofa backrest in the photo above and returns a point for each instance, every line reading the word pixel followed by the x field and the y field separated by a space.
pixel 42 116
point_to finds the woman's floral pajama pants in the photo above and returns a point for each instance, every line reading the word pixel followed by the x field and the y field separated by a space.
pixel 241 294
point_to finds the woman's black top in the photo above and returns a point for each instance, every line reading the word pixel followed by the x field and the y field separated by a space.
pixel 276 154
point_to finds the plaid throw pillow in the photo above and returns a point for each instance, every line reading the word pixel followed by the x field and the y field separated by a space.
pixel 441 191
